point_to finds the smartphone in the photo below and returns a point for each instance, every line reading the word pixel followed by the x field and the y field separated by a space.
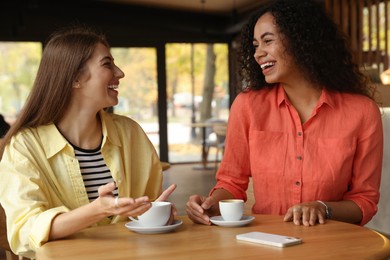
pixel 269 239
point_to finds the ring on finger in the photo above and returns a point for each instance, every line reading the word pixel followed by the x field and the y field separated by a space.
pixel 116 202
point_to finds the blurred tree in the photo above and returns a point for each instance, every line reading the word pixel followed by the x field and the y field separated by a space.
pixel 138 89
pixel 209 83
pixel 18 66
pixel 179 74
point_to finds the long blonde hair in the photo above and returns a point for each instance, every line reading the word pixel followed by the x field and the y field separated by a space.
pixel 63 60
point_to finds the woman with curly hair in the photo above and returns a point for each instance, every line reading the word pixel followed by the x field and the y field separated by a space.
pixel 305 127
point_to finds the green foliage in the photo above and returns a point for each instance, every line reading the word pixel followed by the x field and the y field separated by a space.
pixel 179 66
pixel 18 67
pixel 138 89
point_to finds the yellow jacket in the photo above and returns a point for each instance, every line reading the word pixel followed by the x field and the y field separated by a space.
pixel 40 177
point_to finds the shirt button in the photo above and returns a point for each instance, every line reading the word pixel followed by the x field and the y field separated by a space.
pixel 297 183
pixel 299 133
pixel 299 158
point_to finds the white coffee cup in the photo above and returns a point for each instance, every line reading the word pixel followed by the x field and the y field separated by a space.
pixel 231 209
pixel 157 216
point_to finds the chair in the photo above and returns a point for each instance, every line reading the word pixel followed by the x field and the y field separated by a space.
pixel 3 237
pixel 214 139
pixel 380 222
pixel 220 131
pixel 165 166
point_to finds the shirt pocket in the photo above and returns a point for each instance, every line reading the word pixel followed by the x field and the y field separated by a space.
pixel 268 151
pixel 332 159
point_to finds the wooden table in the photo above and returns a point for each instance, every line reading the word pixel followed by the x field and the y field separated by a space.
pixel 333 240
pixel 204 126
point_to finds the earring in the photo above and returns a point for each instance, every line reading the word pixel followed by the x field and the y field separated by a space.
pixel 76 84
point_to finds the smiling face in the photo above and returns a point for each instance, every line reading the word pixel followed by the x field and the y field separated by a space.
pixel 270 53
pixel 97 86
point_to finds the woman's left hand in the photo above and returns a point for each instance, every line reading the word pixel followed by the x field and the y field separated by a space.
pixel 307 214
pixel 164 197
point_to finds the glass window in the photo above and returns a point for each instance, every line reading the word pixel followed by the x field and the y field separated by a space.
pixel 18 67
pixel 197 91
pixel 138 89
pixel 375 37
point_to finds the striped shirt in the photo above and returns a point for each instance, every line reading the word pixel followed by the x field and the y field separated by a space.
pixel 94 171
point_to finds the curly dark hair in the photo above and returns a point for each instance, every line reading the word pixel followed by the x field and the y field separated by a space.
pixel 315 43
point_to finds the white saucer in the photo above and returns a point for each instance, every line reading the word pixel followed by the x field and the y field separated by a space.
pixel 218 220
pixel 134 226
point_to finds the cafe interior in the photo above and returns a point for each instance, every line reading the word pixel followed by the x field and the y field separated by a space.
pixel 156 24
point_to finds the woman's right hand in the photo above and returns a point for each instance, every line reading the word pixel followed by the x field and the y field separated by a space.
pixel 121 206
pixel 105 205
pixel 200 209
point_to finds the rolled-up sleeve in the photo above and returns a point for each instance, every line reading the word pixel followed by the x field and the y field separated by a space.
pixel 367 168
pixel 25 200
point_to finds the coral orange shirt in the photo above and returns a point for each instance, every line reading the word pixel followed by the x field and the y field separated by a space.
pixel 335 155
